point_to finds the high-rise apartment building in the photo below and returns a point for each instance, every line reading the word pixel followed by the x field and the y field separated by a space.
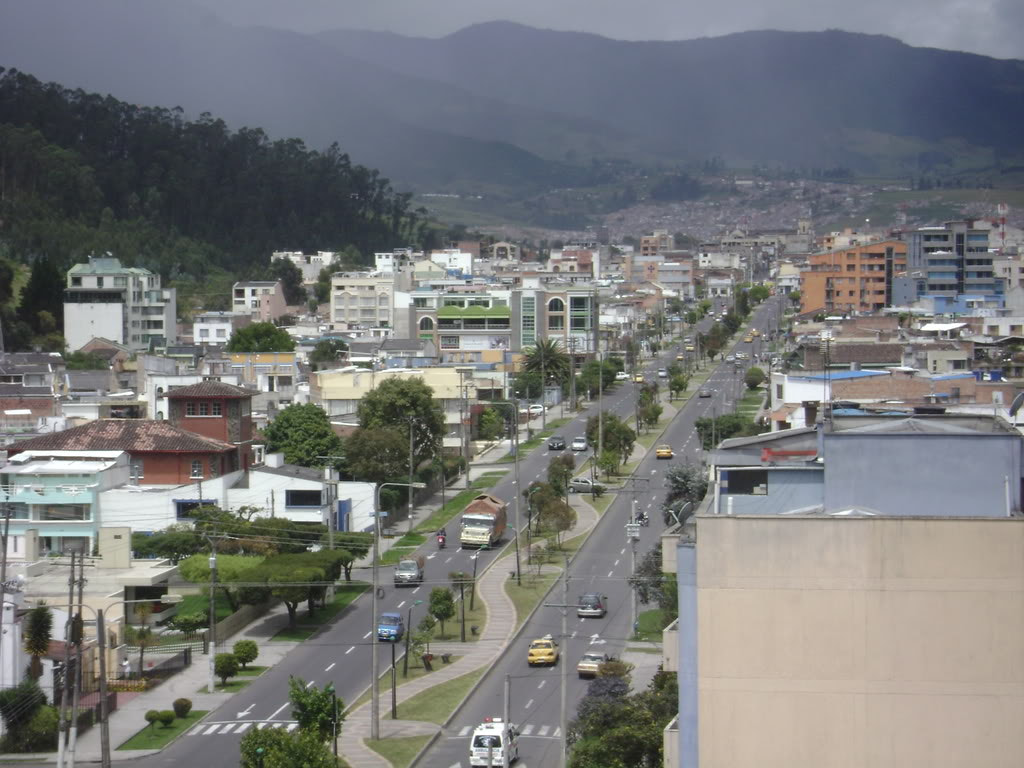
pixel 852 280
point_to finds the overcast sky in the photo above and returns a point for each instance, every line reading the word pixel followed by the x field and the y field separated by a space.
pixel 989 27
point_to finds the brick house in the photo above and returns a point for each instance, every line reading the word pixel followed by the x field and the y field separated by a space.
pixel 221 412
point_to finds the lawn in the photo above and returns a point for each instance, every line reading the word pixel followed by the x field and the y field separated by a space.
pixel 435 705
pixel 750 404
pixel 649 625
pixel 233 685
pixel 399 752
pixel 306 625
pixel 653 436
pixel 601 503
pixel 403 547
pixel 416 670
pixel 532 591
pixel 200 603
pixel 475 617
pixel 158 737
pixel 528 445
pixel 252 671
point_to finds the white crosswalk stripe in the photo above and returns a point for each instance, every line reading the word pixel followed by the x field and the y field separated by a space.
pixel 464 731
pixel 238 727
pixel 527 729
pixel 544 730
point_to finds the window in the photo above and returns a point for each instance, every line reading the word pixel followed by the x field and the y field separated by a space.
pixel 778 391
pixel 556 305
pixel 747 481
pixel 216 409
pixel 556 323
pixel 204 409
pixel 70 512
pixel 204 333
pixel 76 281
pixel 214 468
pixel 221 333
pixel 197 469
pixel 426 324
pixel 99 282
pixel 190 409
pixel 312 498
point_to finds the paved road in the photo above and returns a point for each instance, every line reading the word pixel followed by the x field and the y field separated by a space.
pixel 341 653
pixel 603 565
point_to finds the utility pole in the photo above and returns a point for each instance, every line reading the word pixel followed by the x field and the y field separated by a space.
pixel 101 637
pixel 409 494
pixel 374 660
pixel 62 732
pixel 505 723
pixel 79 631
pixel 518 493
pixel 572 373
pixel 565 663
pixel 3 554
pixel 543 389
pixel 212 633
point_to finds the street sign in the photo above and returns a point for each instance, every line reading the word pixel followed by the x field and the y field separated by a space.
pixel 632 530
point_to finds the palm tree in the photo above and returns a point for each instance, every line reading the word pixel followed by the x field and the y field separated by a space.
pixel 549 359
pixel 38 634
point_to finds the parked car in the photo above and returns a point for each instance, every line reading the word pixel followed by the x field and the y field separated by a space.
pixel 592 605
pixel 556 443
pixel 536 409
pixel 621 376
pixel 663 451
pixel 579 444
pixel 585 485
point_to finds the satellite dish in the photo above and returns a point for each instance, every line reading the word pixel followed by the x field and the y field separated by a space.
pixel 1018 401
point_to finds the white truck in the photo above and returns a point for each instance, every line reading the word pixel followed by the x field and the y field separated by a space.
pixel 483 522
pixel 490 740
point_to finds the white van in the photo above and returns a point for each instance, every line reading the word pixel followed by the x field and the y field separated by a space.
pixel 490 738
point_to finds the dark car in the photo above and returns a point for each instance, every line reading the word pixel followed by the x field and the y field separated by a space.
pixel 556 443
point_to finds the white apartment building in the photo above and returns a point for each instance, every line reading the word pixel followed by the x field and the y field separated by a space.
pixel 389 262
pixel 262 300
pixel 309 264
pixel 215 328
pixel 124 304
pixel 454 259
pixel 363 301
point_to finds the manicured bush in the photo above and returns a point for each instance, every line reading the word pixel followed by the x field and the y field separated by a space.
pixel 246 652
pixel 182 707
pixel 152 717
pixel 166 717
pixel 190 622
pixel 225 665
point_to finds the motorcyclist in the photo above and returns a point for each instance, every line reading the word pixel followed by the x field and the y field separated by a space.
pixel 442 537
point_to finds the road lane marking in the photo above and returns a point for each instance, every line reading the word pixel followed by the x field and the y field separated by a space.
pixel 310 683
pixel 541 684
pixel 330 666
pixel 527 730
pixel 447 561
pixel 243 728
pixel 544 730
pixel 227 728
pixel 278 710
pixel 367 634
pixel 350 650
pixel 196 731
pixel 610 574
pixel 616 562
pixel 464 731
pixel 211 729
pixel 291 727
pixel 573 632
pixel 528 704
pixel 622 551
pixel 400 604
pixel 417 588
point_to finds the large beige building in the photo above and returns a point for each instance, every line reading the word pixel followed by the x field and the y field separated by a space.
pixel 851 642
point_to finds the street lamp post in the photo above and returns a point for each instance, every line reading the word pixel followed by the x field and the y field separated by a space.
pixel 408 631
pixel 374 662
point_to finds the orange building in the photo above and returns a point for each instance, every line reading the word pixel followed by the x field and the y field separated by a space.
pixel 852 280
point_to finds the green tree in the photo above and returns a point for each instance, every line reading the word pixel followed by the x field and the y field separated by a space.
pixel 38 632
pixel 650 414
pixel 85 361
pixel 327 353
pixel 608 462
pixel 548 357
pixel 377 455
pixel 44 292
pixel 526 385
pixel 560 471
pixel 794 297
pixel 230 568
pixel 142 637
pixel 714 430
pixel 246 651
pixel 442 605
pixel 753 378
pixel 276 748
pixel 397 403
pixel 260 337
pixel 617 435
pixel 316 710
pixel 174 543
pixel 20 703
pixel 759 293
pixel 677 384
pixel 225 665
pixel 304 434
pixel 653 586
pixel 290 277
pixel 558 517
pixel 686 483
pixel 491 424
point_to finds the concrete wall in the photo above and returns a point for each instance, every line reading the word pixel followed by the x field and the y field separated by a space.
pixel 961 473
pixel 860 642
pixel 788 489
pixel 84 321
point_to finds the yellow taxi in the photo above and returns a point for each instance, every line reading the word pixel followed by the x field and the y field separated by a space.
pixel 689 347
pixel 638 378
pixel 663 451
pixel 748 339
pixel 543 650
pixel 755 333
pixel 680 358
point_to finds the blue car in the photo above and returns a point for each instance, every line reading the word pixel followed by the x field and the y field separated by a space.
pixel 390 628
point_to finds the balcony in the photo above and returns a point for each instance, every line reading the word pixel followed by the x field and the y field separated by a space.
pixel 670 647
pixel 670 744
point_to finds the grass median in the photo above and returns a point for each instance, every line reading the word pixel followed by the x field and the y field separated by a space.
pixel 158 737
pixel 399 751
pixel 457 503
pixel 306 625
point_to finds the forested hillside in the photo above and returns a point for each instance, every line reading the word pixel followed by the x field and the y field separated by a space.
pixel 82 173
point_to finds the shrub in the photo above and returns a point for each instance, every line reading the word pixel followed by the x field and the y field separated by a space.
pixel 38 734
pixel 246 652
pixel 182 707
pixel 166 717
pixel 152 716
pixel 189 622
pixel 225 665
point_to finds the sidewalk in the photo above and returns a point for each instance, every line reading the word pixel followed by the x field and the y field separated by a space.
pixel 497 635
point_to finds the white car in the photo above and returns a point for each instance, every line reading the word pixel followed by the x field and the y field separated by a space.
pixel 621 376
pixel 536 409
pixel 578 444
pixel 662 373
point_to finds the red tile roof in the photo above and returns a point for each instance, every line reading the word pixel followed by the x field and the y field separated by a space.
pixel 132 435
pixel 209 389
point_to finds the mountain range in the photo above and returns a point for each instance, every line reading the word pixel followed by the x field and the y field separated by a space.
pixel 504 105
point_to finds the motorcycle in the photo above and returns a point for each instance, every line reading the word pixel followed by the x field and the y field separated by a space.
pixel 441 540
pixel 644 520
